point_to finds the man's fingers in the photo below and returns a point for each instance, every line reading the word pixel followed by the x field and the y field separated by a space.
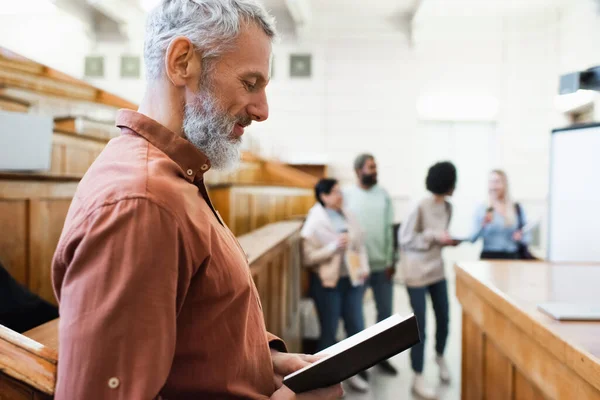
pixel 278 381
pixel 309 358
pixel 330 393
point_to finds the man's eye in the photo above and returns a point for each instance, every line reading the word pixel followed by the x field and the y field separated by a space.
pixel 250 86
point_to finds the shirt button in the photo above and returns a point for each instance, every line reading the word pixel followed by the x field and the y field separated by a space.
pixel 113 383
pixel 190 172
pixel 204 167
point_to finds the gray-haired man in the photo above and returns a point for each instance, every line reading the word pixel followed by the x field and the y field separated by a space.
pixel 156 297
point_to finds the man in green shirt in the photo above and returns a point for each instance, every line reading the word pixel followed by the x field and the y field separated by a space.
pixel 372 207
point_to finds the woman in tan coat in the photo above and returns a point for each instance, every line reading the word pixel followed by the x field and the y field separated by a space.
pixel 334 249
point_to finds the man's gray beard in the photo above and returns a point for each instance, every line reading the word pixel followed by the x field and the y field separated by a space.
pixel 210 129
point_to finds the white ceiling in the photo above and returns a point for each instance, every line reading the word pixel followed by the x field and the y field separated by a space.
pixel 483 8
pixel 364 8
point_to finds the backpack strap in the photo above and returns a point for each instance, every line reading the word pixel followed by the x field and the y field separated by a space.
pixel 519 212
pixel 448 211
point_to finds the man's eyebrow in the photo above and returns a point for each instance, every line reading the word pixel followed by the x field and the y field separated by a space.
pixel 255 74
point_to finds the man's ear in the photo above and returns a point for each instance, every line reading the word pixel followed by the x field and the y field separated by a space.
pixel 181 62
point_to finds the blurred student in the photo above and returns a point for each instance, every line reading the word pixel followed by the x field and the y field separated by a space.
pixel 423 236
pixel 500 223
pixel 333 247
pixel 372 206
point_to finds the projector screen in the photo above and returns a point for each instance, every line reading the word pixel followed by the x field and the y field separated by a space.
pixel 574 209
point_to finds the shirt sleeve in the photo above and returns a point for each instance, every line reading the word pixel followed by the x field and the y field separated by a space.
pixel 389 232
pixel 276 343
pixel 118 303
pixel 478 229
pixel 411 237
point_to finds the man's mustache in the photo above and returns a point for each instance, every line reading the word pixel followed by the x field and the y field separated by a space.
pixel 244 121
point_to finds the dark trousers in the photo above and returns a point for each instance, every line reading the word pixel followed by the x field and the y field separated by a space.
pixel 499 255
pixel 383 291
pixel 21 310
pixel 343 301
pixel 439 297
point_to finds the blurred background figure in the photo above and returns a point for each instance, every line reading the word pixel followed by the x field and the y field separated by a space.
pixel 500 223
pixel 334 248
pixel 373 208
pixel 422 237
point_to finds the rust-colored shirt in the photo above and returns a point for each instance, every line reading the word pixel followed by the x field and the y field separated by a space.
pixel 156 297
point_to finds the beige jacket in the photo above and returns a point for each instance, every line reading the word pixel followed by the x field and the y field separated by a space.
pixel 320 252
pixel 421 260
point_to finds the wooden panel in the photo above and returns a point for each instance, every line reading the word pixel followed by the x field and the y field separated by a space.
pixel 13 242
pixel 240 213
pixel 16 71
pixel 57 165
pixel 281 174
pixel 11 389
pixel 14 105
pixel 524 390
pixel 22 187
pixel 472 359
pixel 317 170
pixel 498 374
pixel 279 208
pixel 47 220
pixel 274 297
pixel 259 206
pixel 77 160
pixel 72 154
pixel 221 199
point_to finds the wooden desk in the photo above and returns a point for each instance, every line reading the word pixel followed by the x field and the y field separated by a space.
pixel 510 350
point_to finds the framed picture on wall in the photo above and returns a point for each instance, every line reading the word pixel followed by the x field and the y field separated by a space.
pixel 130 67
pixel 300 66
pixel 94 67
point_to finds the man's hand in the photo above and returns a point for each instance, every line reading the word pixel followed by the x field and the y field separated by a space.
pixel 285 364
pixel 390 272
pixel 331 393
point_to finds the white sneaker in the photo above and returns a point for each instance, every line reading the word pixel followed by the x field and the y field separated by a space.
pixel 421 389
pixel 444 372
pixel 358 384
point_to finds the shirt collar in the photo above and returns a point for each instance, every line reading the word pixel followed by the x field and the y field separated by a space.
pixel 193 163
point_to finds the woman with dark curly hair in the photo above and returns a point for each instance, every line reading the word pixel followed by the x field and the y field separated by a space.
pixel 422 237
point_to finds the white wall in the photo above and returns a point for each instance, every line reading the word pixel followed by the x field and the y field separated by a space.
pixel 364 91
pixel 128 88
pixel 57 39
pixel 366 84
pixel 360 98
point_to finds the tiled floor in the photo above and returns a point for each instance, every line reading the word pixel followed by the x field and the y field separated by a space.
pixel 386 388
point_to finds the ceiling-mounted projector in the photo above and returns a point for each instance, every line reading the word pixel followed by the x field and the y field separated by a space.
pixel 586 80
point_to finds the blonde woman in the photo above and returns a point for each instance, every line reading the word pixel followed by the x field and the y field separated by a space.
pixel 500 223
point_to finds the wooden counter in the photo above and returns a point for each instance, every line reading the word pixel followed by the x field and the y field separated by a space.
pixel 510 350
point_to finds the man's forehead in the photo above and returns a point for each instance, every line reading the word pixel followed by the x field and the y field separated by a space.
pixel 252 53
